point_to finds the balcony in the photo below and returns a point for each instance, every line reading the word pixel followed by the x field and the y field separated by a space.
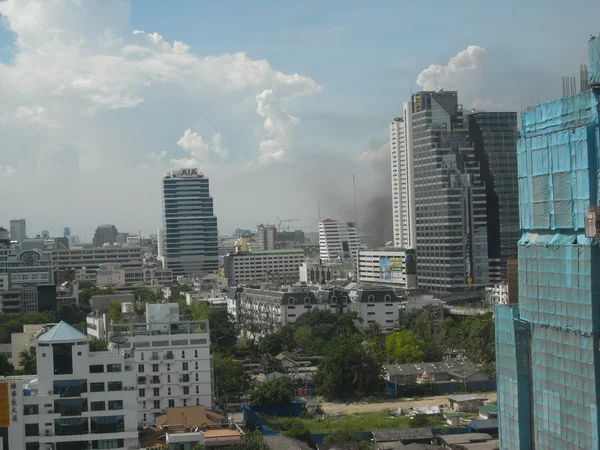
pixel 141 380
pixel 154 358
pixel 169 355
pixel 184 379
pixel 155 380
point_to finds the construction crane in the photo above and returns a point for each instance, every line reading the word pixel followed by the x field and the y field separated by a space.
pixel 286 221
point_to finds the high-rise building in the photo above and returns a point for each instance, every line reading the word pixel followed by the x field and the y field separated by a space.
pixel 450 196
pixel 403 195
pixel 105 234
pixel 266 236
pixel 547 352
pixel 338 240
pixel 191 242
pixel 66 232
pixel 494 136
pixel 18 230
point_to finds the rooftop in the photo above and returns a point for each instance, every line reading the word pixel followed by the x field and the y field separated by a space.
pixel 459 369
pixel 268 252
pixel 402 434
pixel 466 438
pixel 188 416
pixel 463 398
pixel 62 332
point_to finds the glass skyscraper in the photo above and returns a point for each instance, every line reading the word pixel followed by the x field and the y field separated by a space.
pixel 190 226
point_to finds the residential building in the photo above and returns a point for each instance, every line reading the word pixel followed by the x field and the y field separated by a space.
pixel 105 234
pixel 92 257
pixel 174 365
pixel 375 305
pixel 113 274
pixel 496 295
pixel 494 136
pixel 273 266
pixel 403 195
pixel 547 355
pixel 190 226
pixel 388 265
pixel 18 230
pixel 78 399
pixel 338 240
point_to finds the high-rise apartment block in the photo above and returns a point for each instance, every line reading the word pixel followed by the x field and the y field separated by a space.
pixel 403 194
pixel 454 190
pixel 547 346
pixel 105 234
pixel 191 244
pixel 266 236
pixel 338 240
pixel 18 230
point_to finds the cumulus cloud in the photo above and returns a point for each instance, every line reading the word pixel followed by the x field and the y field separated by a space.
pixel 199 150
pixel 271 151
pixel 35 115
pixel 435 76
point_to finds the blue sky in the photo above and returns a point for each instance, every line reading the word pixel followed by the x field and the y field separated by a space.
pixel 93 114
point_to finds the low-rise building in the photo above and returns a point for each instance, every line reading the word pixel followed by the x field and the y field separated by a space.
pixel 272 266
pixel 388 265
pixel 78 399
pixel 375 305
pixel 316 271
pixel 20 341
pixel 465 402
pixel 93 257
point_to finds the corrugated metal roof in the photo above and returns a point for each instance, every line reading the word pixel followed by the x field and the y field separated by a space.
pixel 62 332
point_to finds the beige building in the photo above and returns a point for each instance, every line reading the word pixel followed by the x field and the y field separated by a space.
pixel 20 341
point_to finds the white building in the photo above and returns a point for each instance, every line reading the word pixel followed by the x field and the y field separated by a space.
pixel 92 257
pixel 18 230
pixel 375 306
pixel 114 274
pixel 497 294
pixel 266 236
pixel 78 399
pixel 316 271
pixel 273 266
pixel 388 265
pixel 338 240
pixel 172 357
pixel 403 195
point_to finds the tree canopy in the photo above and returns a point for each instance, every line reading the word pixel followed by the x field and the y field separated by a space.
pixel 273 392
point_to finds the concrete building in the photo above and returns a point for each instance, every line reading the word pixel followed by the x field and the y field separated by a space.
pixel 496 295
pixel 93 257
pixel 266 236
pixel 403 195
pixel 375 305
pixel 78 399
pixel 105 234
pixel 315 271
pixel 547 355
pixel 388 265
pixel 18 230
pixel 20 341
pixel 190 226
pixel 273 266
pixel 174 365
pixel 338 240
pixel 113 274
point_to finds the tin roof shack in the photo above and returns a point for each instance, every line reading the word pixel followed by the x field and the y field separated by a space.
pixel 403 435
pixel 451 440
pixel 490 445
pixel 489 426
pixel 488 412
pixel 461 371
pixel 465 403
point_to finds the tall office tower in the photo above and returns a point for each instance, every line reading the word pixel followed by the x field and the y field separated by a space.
pixel 403 195
pixel 547 353
pixel 105 234
pixel 160 243
pixel 266 236
pixel 494 135
pixel 66 232
pixel 338 240
pixel 191 244
pixel 18 230
pixel 450 196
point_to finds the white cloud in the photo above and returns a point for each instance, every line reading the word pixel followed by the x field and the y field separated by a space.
pixel 271 151
pixel 217 146
pixel 193 143
pixel 35 115
pixel 6 171
pixel 200 151
pixel 379 154
pixel 435 76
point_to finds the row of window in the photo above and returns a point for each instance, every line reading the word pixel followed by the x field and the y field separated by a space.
pixel 156 367
pixel 156 391
pixel 99 368
pixel 80 425
pixel 98 444
pixel 171 404
pixel 183 378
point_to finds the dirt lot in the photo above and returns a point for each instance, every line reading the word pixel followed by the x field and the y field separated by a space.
pixel 342 408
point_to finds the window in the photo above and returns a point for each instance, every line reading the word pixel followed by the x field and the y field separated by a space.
pixel 196 365
pixel 115 386
pixel 115 404
pixel 145 415
pixel 32 446
pixel 168 367
pixel 184 366
pixel 109 443
pixel 142 393
pixel 141 356
pixel 196 377
pixel 96 368
pixel 168 391
pixel 183 353
pixel 156 404
pixel 185 402
pixel 154 356
pixel 97 406
pixel 70 406
pixel 156 392
pixel 30 410
pixel 197 389
pixel 32 429
pixel 70 388
pixel 171 403
pixel 113 367
pixel 168 378
pixel 371 313
pixel 141 368
pixel 144 406
pixel 154 367
pixel 107 424
pixel 387 298
pixel 63 358
pixel 186 390
pixel 291 301
pixel 195 353
pixel 371 299
pixel 184 378
pixel 71 426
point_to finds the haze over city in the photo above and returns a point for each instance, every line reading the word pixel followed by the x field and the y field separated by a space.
pixel 278 102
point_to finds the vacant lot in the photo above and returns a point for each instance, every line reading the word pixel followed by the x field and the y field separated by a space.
pixel 345 423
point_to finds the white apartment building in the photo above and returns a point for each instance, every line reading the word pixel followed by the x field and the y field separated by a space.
pixel 391 266
pixel 79 257
pixel 273 266
pixel 497 294
pixel 338 240
pixel 172 358
pixel 78 399
pixel 403 195
pixel 375 306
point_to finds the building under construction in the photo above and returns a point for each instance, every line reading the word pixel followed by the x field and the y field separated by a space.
pixel 547 346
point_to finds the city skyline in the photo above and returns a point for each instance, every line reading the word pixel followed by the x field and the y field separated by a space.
pixel 125 113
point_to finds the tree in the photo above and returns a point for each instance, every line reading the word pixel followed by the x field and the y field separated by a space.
pixel 6 368
pixel 273 392
pixel 145 295
pixel 231 379
pixel 98 345
pixel 223 332
pixel 71 314
pixel 419 421
pixel 303 336
pixel 402 347
pixel 253 441
pixel 28 360
pixel 269 364
pixel 316 317
pixel 114 312
pixel 346 436
pixel 365 369
pixel 272 344
pixel 85 284
pixel 200 311
pixel 8 328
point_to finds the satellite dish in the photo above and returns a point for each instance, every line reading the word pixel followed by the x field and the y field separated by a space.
pixel 119 340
